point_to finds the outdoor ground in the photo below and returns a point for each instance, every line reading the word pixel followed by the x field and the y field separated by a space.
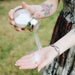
pixel 14 45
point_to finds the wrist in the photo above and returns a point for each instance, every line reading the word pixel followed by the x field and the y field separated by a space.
pixel 56 48
pixel 53 52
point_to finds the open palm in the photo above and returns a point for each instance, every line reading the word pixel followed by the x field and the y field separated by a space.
pixel 38 59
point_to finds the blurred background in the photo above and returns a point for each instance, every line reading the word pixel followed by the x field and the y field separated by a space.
pixel 14 44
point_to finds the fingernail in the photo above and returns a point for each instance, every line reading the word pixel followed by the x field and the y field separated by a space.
pixel 15 64
pixel 19 67
pixel 38 70
pixel 11 17
pixel 13 22
pixel 19 29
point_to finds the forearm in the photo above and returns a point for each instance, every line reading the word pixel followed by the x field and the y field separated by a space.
pixel 66 42
pixel 45 9
pixel 49 8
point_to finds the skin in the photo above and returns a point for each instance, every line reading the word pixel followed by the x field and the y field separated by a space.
pixel 70 41
pixel 45 57
pixel 46 54
pixel 46 9
pixel 37 13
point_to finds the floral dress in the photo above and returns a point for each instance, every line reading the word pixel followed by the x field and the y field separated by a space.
pixel 65 65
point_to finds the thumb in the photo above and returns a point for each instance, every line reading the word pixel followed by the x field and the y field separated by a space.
pixel 42 65
pixel 26 6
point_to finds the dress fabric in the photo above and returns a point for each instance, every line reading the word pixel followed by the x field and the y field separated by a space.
pixel 65 65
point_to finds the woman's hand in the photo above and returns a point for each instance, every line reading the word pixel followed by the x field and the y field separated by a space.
pixel 33 9
pixel 43 10
pixel 38 59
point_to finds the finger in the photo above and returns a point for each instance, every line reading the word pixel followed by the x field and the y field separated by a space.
pixel 19 64
pixel 27 57
pixel 17 8
pixel 12 11
pixel 27 60
pixel 17 28
pixel 12 22
pixel 24 60
pixel 42 65
pixel 11 14
pixel 23 28
pixel 25 6
pixel 29 66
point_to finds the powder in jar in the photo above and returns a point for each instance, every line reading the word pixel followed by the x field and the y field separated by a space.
pixel 22 20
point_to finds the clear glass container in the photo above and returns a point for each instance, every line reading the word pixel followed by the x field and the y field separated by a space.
pixel 24 19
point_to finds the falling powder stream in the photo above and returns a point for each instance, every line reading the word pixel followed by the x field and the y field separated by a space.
pixel 22 21
pixel 37 40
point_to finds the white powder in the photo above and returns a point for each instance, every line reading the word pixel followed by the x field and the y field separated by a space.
pixel 22 20
pixel 38 43
pixel 36 58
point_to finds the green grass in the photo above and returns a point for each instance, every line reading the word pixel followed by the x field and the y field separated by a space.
pixel 14 45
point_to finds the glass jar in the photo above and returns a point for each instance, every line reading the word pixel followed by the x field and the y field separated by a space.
pixel 24 19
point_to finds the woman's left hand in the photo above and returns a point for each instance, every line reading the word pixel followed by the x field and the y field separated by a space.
pixel 38 59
